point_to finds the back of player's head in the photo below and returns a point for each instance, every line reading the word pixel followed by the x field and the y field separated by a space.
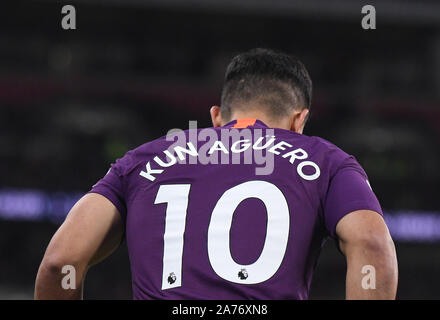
pixel 274 81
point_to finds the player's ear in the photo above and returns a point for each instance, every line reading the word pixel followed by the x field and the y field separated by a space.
pixel 299 120
pixel 216 117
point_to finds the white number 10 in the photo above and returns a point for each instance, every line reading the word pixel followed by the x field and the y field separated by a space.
pixel 275 244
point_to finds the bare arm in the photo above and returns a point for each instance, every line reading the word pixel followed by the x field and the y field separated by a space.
pixel 372 270
pixel 92 230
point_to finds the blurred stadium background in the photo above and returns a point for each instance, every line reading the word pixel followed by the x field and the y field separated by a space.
pixel 71 102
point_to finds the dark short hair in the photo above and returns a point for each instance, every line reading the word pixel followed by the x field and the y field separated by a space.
pixel 277 81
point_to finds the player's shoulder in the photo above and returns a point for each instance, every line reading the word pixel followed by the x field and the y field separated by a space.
pixel 336 158
pixel 152 146
pixel 315 144
pixel 134 157
pixel 324 152
pixel 150 149
pixel 326 146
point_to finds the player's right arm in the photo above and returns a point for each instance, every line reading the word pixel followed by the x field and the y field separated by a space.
pixel 365 241
pixel 353 216
pixel 92 230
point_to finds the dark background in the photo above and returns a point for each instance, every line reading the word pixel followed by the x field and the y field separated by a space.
pixel 72 101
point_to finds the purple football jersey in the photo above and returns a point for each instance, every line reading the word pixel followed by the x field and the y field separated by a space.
pixel 236 212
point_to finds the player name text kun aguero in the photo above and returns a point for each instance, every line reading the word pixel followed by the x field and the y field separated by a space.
pixel 306 169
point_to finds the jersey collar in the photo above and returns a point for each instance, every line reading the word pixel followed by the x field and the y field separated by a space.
pixel 245 123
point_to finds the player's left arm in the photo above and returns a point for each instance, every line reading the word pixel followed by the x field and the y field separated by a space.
pixel 365 241
pixel 92 230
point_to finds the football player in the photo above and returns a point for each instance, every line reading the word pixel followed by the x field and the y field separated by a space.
pixel 201 221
